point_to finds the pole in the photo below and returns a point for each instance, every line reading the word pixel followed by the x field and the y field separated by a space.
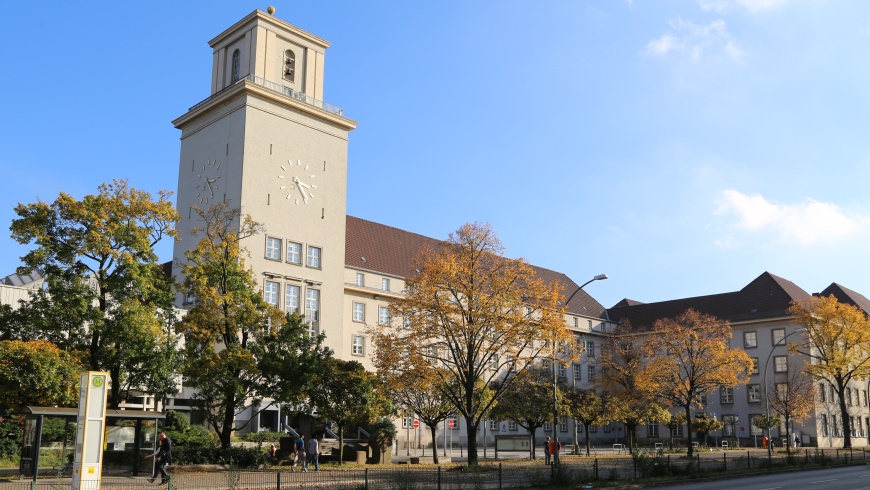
pixel 766 397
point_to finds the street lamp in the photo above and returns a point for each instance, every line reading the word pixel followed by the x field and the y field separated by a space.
pixel 599 277
pixel 766 398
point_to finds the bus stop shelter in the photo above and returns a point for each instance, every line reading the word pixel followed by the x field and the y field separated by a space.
pixel 128 432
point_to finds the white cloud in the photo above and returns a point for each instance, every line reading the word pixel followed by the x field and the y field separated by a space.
pixel 751 6
pixel 696 41
pixel 805 223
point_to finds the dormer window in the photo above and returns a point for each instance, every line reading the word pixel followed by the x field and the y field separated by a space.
pixel 234 76
pixel 289 65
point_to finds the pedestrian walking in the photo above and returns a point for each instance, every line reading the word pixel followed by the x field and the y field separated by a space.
pixel 313 453
pixel 300 453
pixel 162 457
pixel 797 442
pixel 547 451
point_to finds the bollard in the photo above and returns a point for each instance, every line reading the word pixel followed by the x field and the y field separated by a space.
pixel 595 466
pixel 439 477
pixel 748 461
pixel 366 479
pixel 634 464
pixel 278 480
pixel 724 461
pixel 499 476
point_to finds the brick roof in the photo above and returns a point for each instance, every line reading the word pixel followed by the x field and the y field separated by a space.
pixel 767 296
pixel 846 295
pixel 388 250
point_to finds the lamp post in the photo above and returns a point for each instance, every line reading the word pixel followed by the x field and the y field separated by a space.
pixel 599 277
pixel 766 398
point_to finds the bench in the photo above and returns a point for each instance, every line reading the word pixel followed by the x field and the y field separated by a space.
pixel 618 448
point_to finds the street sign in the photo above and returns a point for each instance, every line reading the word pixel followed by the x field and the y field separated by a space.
pixel 450 423
pixel 416 424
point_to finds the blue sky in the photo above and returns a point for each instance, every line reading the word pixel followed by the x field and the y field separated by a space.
pixel 682 147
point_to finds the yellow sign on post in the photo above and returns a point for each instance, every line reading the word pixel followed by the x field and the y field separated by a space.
pixel 90 431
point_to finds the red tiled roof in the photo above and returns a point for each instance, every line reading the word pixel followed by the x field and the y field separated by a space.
pixel 846 295
pixel 767 296
pixel 380 248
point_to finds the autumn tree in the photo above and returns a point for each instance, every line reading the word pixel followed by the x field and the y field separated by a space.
pixel 529 401
pixel 837 346
pixel 348 394
pixel 476 314
pixel 107 297
pixel 622 358
pixel 228 324
pixel 689 356
pixel 704 426
pixel 589 408
pixel 413 386
pixel 674 422
pixel 792 397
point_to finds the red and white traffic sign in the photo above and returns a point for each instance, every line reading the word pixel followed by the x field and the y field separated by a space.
pixel 416 423
pixel 450 423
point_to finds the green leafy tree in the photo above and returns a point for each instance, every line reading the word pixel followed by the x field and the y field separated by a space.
pixel 704 426
pixel 229 323
pixel 529 401
pixel 476 314
pixel 107 297
pixel 589 408
pixel 348 394
pixel 837 346
pixel 674 422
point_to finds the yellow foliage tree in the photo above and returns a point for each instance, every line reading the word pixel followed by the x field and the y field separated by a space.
pixel 689 356
pixel 837 345
pixel 476 315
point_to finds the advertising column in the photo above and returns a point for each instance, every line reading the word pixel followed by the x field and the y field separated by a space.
pixel 90 431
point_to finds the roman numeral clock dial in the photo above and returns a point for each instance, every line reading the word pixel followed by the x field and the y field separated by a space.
pixel 296 181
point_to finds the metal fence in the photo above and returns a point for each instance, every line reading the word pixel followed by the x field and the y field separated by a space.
pixel 573 470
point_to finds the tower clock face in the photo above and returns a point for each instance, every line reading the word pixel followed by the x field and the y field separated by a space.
pixel 207 181
pixel 296 182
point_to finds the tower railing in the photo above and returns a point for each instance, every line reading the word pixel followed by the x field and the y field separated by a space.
pixel 281 89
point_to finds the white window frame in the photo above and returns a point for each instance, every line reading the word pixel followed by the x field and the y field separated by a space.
pixel 385 284
pixel 561 370
pixel 547 427
pixel 360 279
pixel 289 307
pixel 273 248
pixel 777 336
pixel 358 345
pixel 753 393
pixel 754 365
pixel 294 253
pixel 563 424
pixel 512 426
pixel 578 371
pixel 271 292
pixel 652 429
pixel 359 312
pixel 590 348
pixel 493 425
pixel 314 257
pixel 780 364
pixel 726 395
pixel 750 340
pixel 590 373
pixel 383 315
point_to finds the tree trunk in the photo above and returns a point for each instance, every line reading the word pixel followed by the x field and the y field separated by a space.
pixel 340 443
pixel 227 428
pixel 844 415
pixel 689 447
pixel 471 434
pixel 434 443
pixel 588 447
pixel 115 393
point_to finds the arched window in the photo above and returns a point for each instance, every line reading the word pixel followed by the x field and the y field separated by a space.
pixel 235 73
pixel 289 65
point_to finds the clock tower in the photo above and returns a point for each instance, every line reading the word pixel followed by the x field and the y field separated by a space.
pixel 264 141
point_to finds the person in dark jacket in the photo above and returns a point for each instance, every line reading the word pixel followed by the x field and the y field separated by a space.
pixel 163 457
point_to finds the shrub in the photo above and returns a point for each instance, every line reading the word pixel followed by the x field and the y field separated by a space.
pixel 238 457
pixel 261 437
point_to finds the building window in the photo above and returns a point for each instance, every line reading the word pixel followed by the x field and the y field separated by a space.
pixel 383 315
pixel 236 65
pixel 313 257
pixel 360 279
pixel 677 431
pixel 824 425
pixel 750 340
pixel 576 322
pixel 291 298
pixel 652 429
pixel 578 374
pixel 702 399
pixel 834 427
pixel 754 365
pixel 358 348
pixel 822 397
pixel 294 253
pixel 563 424
pixel 728 426
pixel 512 426
pixel 593 429
pixel 359 312
pixel 726 395
pixel 864 397
pixel 547 428
pixel 493 425
pixel 754 430
pixel 782 391
pixel 273 248
pixel 754 392
pixel 607 428
pixel 831 392
pixel 270 293
pixel 561 370
pixel 385 284
pixel 289 65
pixel 778 335
pixel 493 362
pixel 590 349
pixel 848 397
pixel 780 364
pixel 312 309
pixel 590 373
